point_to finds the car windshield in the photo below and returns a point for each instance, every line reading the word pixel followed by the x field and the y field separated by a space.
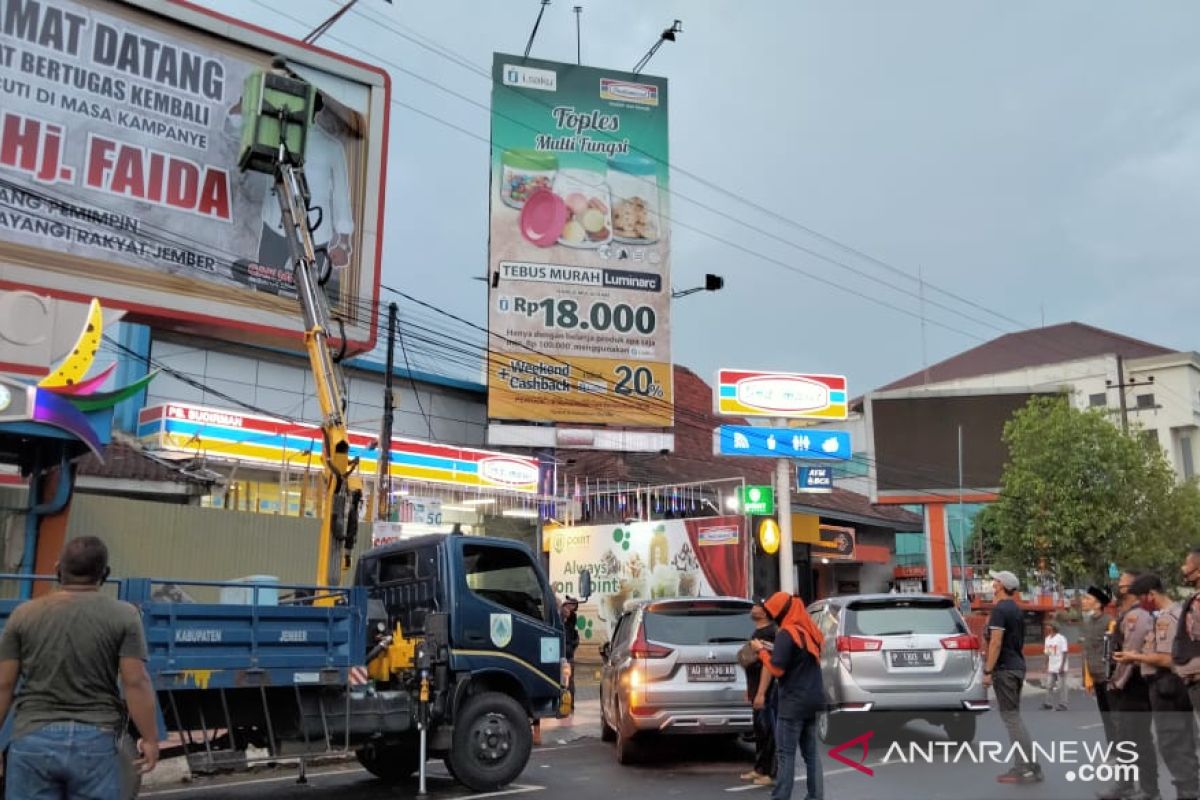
pixel 699 623
pixel 902 619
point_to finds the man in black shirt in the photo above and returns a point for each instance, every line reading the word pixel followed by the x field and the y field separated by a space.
pixel 794 663
pixel 1005 671
pixel 759 691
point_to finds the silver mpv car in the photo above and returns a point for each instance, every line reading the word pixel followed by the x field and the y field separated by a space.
pixel 671 668
pixel 910 654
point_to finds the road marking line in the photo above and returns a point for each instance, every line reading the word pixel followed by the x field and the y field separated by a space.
pixel 1090 727
pixel 254 782
pixel 804 778
pixel 514 789
pixel 553 747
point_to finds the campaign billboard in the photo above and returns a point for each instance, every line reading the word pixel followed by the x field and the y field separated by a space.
pixel 119 136
pixel 579 261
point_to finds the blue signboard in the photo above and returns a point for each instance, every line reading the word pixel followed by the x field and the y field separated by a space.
pixel 814 479
pixel 806 444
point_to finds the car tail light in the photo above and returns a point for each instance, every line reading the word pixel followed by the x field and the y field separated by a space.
pixel 641 648
pixel 858 644
pixel 962 642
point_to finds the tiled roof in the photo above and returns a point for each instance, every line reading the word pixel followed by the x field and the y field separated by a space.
pixel 126 461
pixel 1035 347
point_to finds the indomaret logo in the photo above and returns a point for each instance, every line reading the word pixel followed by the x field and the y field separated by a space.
pixel 1086 761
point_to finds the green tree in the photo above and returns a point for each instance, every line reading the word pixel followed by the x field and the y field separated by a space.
pixel 1078 494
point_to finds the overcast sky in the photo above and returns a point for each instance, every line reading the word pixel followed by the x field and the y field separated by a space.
pixel 1033 158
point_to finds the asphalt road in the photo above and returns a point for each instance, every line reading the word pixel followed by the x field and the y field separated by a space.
pixel 573 763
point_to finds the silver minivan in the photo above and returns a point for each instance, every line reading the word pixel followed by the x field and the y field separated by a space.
pixel 910 654
pixel 671 668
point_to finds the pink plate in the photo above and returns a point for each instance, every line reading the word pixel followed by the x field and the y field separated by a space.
pixel 543 218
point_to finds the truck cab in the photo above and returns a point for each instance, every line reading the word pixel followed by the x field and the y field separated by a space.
pixel 495 636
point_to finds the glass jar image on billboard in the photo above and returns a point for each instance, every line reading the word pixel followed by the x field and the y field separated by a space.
pixel 633 181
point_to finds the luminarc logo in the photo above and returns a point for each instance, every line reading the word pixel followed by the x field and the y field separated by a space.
pixel 863 741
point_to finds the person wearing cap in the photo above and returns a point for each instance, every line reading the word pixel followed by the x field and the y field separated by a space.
pixel 1094 627
pixel 795 663
pixel 1185 652
pixel 1004 670
pixel 1130 695
pixel 1168 694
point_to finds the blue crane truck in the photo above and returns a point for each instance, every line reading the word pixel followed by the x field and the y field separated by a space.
pixel 445 646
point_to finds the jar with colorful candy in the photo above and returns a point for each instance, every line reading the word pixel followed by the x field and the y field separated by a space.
pixel 522 172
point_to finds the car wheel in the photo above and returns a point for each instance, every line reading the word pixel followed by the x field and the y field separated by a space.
pixel 627 749
pixel 960 727
pixel 392 762
pixel 836 728
pixel 492 742
pixel 607 732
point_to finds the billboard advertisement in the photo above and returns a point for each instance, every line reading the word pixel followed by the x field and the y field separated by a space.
pixel 579 309
pixel 647 560
pixel 913 440
pixel 119 136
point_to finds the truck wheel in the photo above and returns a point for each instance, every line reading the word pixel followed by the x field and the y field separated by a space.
pixel 492 742
pixel 390 762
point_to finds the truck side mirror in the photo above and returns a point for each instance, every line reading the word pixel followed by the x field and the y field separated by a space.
pixel 605 649
pixel 585 585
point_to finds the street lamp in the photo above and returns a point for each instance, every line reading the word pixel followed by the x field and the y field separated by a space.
pixel 666 36
pixel 712 283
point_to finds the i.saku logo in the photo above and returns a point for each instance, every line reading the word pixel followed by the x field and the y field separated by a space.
pixel 863 741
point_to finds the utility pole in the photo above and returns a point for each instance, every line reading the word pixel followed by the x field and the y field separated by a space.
pixel 783 506
pixel 578 36
pixel 384 480
pixel 1121 394
pixel 1121 385
pixel 962 538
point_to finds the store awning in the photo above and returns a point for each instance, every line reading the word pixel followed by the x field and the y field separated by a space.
pixel 224 435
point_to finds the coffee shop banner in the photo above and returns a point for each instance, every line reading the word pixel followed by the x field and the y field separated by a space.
pixel 647 560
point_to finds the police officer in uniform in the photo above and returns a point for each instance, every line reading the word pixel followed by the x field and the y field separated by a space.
pixel 1095 628
pixel 1186 653
pixel 1131 695
pixel 1168 695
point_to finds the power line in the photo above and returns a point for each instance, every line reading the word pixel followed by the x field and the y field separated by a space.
pixel 673 192
pixel 462 61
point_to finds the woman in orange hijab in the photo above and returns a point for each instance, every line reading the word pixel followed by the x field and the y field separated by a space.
pixel 795 660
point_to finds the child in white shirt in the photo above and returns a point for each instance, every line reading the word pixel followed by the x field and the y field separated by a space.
pixel 1056 669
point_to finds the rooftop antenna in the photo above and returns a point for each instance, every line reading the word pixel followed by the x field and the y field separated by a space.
pixel 537 22
pixel 667 35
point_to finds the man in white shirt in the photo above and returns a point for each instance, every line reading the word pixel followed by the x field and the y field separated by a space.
pixel 1056 669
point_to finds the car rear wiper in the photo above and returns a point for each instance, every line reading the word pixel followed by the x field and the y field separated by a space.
pixel 725 639
pixel 895 633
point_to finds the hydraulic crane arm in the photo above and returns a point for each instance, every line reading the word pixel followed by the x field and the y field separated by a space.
pixel 278 107
pixel 343 486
